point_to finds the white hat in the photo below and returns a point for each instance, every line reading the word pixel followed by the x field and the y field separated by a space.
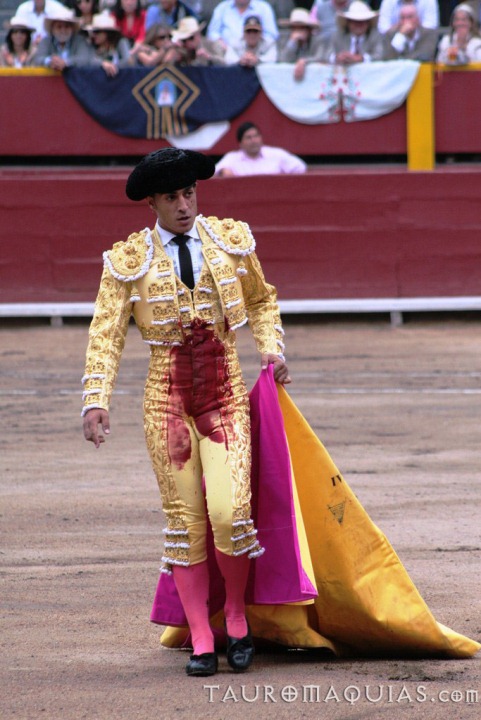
pixel 464 7
pixel 19 22
pixel 62 15
pixel 299 16
pixel 103 21
pixel 359 11
pixel 187 27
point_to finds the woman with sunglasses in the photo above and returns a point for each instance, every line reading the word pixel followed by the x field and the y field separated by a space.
pixel 158 40
pixel 18 50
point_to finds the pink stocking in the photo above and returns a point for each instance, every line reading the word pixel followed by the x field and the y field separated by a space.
pixel 192 584
pixel 235 571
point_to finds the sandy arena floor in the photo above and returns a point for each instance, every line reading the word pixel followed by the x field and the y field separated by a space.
pixel 400 412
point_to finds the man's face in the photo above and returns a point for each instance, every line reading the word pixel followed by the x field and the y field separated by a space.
pixel 177 210
pixel 358 27
pixel 408 17
pixel 193 42
pixel 252 37
pixel 168 5
pixel 62 31
pixel 251 142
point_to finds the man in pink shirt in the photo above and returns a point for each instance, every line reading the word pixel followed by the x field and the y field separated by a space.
pixel 255 158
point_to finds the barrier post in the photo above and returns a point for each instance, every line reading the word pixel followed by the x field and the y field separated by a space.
pixel 420 121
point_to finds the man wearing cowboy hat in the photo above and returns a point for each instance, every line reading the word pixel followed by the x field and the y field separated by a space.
pixel 190 47
pixel 227 22
pixel 167 12
pixel 190 282
pixel 34 12
pixel 304 44
pixel 357 39
pixel 63 46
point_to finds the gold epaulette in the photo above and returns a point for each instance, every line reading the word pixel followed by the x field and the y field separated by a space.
pixel 131 259
pixel 233 236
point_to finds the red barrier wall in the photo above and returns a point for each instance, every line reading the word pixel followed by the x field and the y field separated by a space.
pixel 341 234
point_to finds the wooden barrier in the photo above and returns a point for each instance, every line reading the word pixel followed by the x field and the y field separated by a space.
pixel 357 235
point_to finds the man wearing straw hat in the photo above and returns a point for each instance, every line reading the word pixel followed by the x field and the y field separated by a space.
pixel 63 46
pixel 304 44
pixel 190 47
pixel 357 38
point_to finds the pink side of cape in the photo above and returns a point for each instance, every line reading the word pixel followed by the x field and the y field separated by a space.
pixel 277 576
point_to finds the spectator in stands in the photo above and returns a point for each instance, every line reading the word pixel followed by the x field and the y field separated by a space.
pixel 411 40
pixel 303 45
pixel 85 11
pixel 357 39
pixel 130 19
pixel 227 23
pixel 463 43
pixel 389 10
pixel 111 50
pixel 253 48
pixel 158 40
pixel 63 46
pixel 169 12
pixel 191 48
pixel 255 158
pixel 34 13
pixel 325 12
pixel 18 50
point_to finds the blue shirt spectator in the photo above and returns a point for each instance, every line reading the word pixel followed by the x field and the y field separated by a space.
pixel 167 12
pixel 227 23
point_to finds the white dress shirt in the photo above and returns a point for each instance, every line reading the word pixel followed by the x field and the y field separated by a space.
pixel 172 249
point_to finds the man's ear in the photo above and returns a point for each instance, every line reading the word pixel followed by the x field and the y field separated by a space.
pixel 150 203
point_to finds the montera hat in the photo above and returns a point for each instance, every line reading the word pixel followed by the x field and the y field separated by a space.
pixel 299 17
pixel 359 11
pixel 167 170
pixel 61 15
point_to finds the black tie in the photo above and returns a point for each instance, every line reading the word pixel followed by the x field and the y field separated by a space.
pixel 185 261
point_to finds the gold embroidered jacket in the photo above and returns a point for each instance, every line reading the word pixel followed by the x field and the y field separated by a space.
pixel 139 279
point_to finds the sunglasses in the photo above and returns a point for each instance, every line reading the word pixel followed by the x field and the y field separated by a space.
pixel 163 37
pixel 252 30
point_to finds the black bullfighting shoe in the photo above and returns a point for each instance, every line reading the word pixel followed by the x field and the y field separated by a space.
pixel 202 665
pixel 240 651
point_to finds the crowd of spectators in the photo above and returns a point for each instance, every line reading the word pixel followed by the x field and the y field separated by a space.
pixel 114 34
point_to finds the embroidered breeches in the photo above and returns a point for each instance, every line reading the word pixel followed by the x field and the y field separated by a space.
pixel 198 434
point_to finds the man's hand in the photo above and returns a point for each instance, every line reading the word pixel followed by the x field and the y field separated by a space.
pixel 281 372
pixel 92 419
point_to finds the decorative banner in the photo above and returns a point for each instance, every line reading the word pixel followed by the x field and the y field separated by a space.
pixel 191 106
pixel 165 102
pixel 330 93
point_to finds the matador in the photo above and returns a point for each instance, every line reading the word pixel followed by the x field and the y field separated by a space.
pixel 190 282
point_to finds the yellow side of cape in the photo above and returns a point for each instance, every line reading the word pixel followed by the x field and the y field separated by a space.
pixel 367 603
